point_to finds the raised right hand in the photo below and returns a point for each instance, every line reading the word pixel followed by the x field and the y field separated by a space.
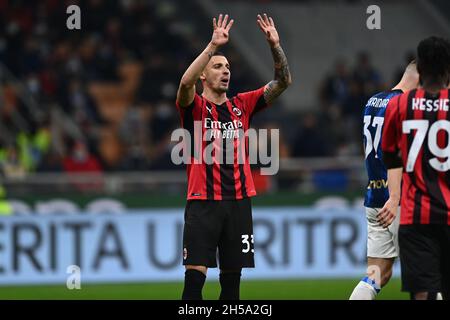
pixel 221 30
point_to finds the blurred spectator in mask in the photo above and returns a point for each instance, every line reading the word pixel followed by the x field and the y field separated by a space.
pixel 80 160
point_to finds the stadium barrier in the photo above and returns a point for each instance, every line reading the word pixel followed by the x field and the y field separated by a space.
pixel 146 245
pixel 333 174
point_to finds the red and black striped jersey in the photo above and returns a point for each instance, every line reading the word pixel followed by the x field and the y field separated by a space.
pixel 219 130
pixel 417 126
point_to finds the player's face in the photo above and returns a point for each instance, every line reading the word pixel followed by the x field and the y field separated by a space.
pixel 217 74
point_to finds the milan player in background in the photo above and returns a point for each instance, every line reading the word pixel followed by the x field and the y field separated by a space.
pixel 381 205
pixel 416 139
pixel 218 210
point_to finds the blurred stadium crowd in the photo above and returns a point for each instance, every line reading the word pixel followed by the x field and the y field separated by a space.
pixel 102 98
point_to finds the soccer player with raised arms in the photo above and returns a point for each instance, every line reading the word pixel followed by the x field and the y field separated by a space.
pixel 218 210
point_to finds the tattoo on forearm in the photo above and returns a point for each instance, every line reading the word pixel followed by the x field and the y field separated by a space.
pixel 282 73
pixel 271 91
pixel 282 76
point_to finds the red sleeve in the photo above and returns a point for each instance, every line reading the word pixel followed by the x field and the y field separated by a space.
pixel 253 101
pixel 391 135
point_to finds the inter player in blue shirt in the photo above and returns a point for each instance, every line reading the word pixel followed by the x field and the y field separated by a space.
pixel 381 207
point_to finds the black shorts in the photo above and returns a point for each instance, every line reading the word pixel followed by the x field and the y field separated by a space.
pixel 225 225
pixel 425 258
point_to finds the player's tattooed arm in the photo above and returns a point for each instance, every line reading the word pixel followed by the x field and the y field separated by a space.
pixel 282 78
pixel 220 36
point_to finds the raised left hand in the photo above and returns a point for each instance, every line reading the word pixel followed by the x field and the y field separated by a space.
pixel 267 26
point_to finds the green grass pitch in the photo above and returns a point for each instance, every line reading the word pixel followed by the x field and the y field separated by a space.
pixel 334 289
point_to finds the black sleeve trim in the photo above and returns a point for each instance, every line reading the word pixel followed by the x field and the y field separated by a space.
pixel 260 104
pixel 191 105
pixel 391 160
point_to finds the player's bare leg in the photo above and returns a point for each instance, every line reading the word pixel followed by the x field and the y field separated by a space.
pixel 194 279
pixel 378 275
pixel 385 266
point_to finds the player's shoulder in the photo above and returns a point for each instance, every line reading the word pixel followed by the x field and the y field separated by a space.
pixel 250 93
pixel 408 92
pixel 381 94
pixel 389 94
pixel 381 99
pixel 196 102
pixel 402 97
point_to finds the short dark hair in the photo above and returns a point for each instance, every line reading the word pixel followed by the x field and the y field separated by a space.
pixel 433 60
pixel 218 53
